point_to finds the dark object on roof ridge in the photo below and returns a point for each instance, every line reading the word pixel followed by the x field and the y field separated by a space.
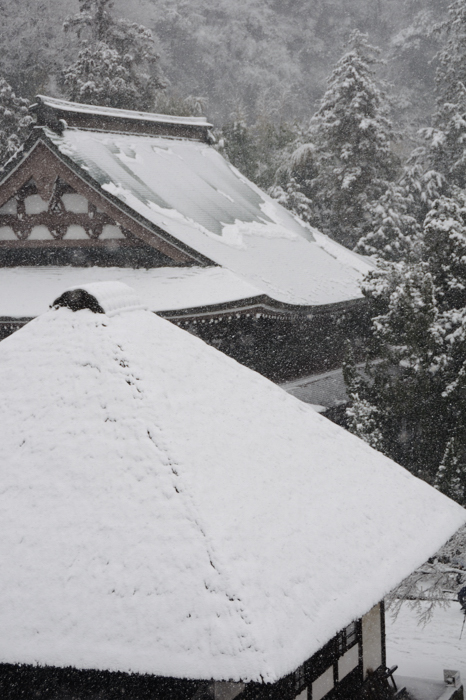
pixel 101 298
pixel 77 300
pixel 59 114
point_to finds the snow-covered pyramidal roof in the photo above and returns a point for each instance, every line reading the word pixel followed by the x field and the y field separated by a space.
pixel 165 510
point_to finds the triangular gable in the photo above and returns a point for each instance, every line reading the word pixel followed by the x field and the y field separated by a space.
pixel 65 215
pixel 44 201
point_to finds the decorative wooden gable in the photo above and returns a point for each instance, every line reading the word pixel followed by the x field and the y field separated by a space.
pixel 65 216
pixel 45 203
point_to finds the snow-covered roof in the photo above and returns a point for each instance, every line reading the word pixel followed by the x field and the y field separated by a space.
pixel 166 510
pixel 26 292
pixel 128 114
pixel 188 190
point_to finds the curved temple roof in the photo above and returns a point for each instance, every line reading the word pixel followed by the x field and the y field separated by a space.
pixel 189 191
pixel 165 510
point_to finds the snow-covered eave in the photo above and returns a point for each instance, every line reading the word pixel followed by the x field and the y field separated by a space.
pixel 39 137
pixel 261 306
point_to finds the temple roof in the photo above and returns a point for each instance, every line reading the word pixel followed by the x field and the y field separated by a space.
pixel 166 510
pixel 176 192
pixel 188 190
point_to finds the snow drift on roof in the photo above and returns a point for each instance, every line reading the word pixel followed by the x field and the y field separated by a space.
pixel 26 292
pixel 166 510
pixel 187 189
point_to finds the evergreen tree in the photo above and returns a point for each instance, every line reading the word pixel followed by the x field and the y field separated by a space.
pixel 438 166
pixel 255 150
pixel 117 65
pixel 295 184
pixel 15 121
pixel 404 386
pixel 293 198
pixel 238 144
pixel 451 474
pixel 417 386
pixel 444 250
pixel 353 136
pixel 393 229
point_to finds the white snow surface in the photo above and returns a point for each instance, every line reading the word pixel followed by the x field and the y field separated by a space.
pixel 166 510
pixel 188 190
pixel 425 651
pixel 28 291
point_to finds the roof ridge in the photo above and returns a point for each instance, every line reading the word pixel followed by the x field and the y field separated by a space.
pixel 161 443
pixel 55 103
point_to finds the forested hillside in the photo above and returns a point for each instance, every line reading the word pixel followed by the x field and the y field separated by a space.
pixel 248 57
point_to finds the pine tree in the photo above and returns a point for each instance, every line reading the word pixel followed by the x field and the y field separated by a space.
pixel 239 145
pixel 293 198
pixel 117 65
pixel 444 250
pixel 15 121
pixel 438 166
pixel 295 184
pixel 417 386
pixel 406 384
pixel 451 475
pixel 393 229
pixel 353 136
pixel 257 149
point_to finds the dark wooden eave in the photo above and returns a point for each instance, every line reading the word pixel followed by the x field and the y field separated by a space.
pixel 261 306
pixel 41 160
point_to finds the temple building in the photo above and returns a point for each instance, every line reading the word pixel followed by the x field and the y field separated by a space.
pixel 176 526
pixel 105 194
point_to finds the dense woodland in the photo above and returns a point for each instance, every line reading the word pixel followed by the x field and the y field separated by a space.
pixel 352 113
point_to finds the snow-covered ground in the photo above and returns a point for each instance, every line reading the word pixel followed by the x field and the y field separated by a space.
pixel 424 652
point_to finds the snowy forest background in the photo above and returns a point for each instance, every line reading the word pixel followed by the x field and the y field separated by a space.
pixel 352 113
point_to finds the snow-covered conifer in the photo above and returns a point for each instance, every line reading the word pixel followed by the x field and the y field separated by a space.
pixel 451 474
pixel 444 249
pixel 295 182
pixel 117 66
pixel 15 121
pixel 293 198
pixel 238 144
pixel 393 229
pixel 439 164
pixel 404 388
pixel 353 135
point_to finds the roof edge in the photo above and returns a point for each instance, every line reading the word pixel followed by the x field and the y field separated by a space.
pixel 262 305
pixel 56 114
